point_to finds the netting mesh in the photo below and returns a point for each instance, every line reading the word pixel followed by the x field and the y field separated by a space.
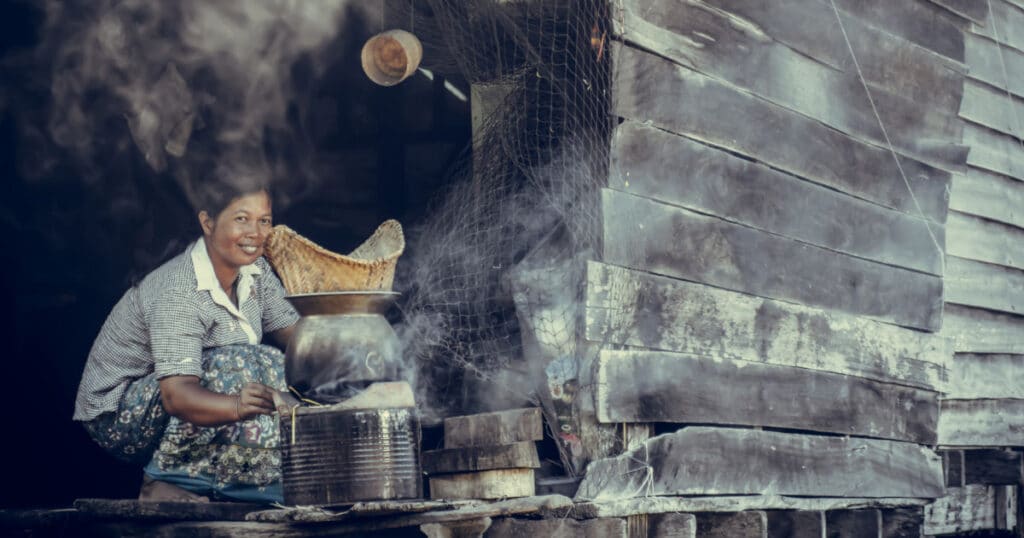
pixel 493 280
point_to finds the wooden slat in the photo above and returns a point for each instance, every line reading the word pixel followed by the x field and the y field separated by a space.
pixel 984 285
pixel 988 195
pixel 668 167
pixel 671 526
pixel 724 461
pixel 480 458
pixel 713 42
pixel 922 23
pixel 750 524
pixel 982 240
pixel 987 376
pixel 979 331
pixel 811 28
pixel 648 88
pixel 853 524
pixel 657 386
pixel 994 151
pixel 974 10
pixel 795 524
pixel 969 508
pixel 986 59
pixel 644 234
pixel 992 108
pixel 497 428
pixel 982 423
pixel 496 484
pixel 1009 24
pixel 633 308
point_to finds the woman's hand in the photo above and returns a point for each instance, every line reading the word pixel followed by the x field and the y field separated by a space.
pixel 254 400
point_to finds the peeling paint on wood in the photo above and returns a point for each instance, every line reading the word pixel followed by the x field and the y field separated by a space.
pixel 633 308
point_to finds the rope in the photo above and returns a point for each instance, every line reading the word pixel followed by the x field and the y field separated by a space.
pixel 885 134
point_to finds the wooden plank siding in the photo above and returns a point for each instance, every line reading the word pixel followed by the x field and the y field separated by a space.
pixel 657 164
pixel 993 108
pixel 981 422
pixel 987 60
pixel 713 42
pixel 672 97
pixel 973 330
pixel 994 151
pixel 991 196
pixel 657 386
pixel 1005 24
pixel 627 307
pixel 922 23
pixel 973 10
pixel 668 240
pixel 984 285
pixel 991 376
pixel 975 238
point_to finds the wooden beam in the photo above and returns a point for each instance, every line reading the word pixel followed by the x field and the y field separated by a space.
pixel 984 285
pixel 633 308
pixel 974 238
pixel 728 461
pixel 648 88
pixel 969 508
pixel 973 330
pixel 497 428
pixel 722 45
pixel 751 524
pixel 795 524
pixel 853 524
pixel 481 458
pixel 986 59
pixel 657 164
pixel 986 376
pixel 994 151
pixel 655 386
pixel 992 196
pixel 647 235
pixel 984 423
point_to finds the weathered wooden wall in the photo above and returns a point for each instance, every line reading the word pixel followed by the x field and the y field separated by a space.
pixel 776 228
pixel 984 282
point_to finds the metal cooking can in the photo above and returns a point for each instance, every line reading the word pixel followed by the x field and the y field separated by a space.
pixel 332 456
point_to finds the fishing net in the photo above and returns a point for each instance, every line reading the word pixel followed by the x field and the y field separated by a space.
pixel 492 281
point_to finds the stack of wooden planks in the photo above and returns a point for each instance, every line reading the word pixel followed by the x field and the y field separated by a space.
pixel 486 456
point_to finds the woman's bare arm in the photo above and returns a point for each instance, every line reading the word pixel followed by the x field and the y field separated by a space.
pixel 184 397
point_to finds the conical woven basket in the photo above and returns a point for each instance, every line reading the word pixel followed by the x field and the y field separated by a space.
pixel 305 267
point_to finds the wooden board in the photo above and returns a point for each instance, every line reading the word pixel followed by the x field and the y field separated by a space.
pixel 984 285
pixel 497 428
pixel 994 151
pixel 670 526
pixel 712 41
pixel 986 60
pixel 644 234
pixel 654 163
pixel 134 509
pixel 974 238
pixel 1004 24
pixel 921 23
pixel 734 503
pixel 886 60
pixel 969 508
pixel 981 423
pixel 700 460
pixel 992 108
pixel 796 524
pixel 557 528
pixel 973 330
pixel 988 195
pixel 496 484
pixel 480 458
pixel 656 386
pixel 648 88
pixel 986 376
pixel 750 524
pixel 853 524
pixel 973 10
pixel 632 308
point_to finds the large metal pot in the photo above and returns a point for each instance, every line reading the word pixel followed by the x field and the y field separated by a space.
pixel 342 337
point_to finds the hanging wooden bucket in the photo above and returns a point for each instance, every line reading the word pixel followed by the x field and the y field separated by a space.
pixel 391 57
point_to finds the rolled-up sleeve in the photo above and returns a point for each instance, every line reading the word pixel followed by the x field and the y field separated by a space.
pixel 176 334
pixel 278 313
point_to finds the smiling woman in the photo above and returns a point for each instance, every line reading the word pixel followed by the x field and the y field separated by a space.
pixel 178 379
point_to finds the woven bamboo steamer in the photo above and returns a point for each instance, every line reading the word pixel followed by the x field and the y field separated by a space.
pixel 305 267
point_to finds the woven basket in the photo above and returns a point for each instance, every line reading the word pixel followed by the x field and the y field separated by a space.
pixel 305 267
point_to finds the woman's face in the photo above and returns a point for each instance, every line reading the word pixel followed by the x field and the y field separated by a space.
pixel 236 236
